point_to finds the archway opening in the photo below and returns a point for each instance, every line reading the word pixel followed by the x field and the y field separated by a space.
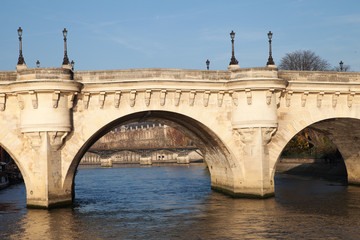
pixel 311 152
pixel 12 187
pixel 130 143
pixel 196 142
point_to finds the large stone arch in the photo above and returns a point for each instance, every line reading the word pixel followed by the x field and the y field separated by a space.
pixel 343 131
pixel 223 167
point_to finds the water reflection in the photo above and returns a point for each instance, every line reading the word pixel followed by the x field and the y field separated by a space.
pixel 177 203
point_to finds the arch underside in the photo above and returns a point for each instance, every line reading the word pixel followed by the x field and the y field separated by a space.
pixel 345 134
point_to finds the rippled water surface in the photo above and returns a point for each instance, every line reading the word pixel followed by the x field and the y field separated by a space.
pixel 176 202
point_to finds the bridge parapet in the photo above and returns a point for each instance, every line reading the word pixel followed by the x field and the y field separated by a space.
pixel 254 73
pixel 318 76
pixel 305 85
pixel 7 76
pixel 44 74
pixel 152 74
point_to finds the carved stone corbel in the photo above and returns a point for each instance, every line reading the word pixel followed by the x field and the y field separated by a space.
pixel 267 133
pixel 319 99
pixel 35 139
pixel 117 97
pixel 34 99
pixel 102 96
pixel 335 98
pixel 71 100
pixel 147 97
pixel 206 98
pixel 303 98
pixel 269 95
pixel 249 135
pixel 288 98
pixel 177 97
pixel 57 139
pixel 246 135
pixel 248 96
pixel 162 97
pixel 220 97
pixel 86 99
pixel 20 101
pixel 192 98
pixel 132 98
pixel 234 98
pixel 2 101
pixel 55 99
pixel 350 99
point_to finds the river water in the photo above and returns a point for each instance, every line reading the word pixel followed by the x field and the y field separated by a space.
pixel 176 202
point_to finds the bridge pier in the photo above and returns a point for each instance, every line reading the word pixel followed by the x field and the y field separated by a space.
pixel 45 122
pixel 257 179
pixel 45 189
pixel 254 120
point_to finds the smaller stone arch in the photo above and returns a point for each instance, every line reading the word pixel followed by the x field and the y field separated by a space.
pixel 344 132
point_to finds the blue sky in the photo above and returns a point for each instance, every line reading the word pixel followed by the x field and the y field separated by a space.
pixel 116 34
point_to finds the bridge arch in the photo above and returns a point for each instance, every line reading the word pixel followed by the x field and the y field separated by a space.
pixel 344 132
pixel 219 158
pixel 16 149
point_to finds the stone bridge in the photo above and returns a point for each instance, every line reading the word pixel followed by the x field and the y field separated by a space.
pixel 241 119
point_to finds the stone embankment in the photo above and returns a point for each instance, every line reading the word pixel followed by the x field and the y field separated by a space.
pixel 142 143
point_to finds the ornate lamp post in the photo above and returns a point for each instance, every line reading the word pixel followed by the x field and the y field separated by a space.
pixel 38 63
pixel 341 66
pixel 66 59
pixel 207 64
pixel 21 60
pixel 233 59
pixel 270 60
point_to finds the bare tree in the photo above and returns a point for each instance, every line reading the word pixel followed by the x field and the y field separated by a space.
pixel 303 60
